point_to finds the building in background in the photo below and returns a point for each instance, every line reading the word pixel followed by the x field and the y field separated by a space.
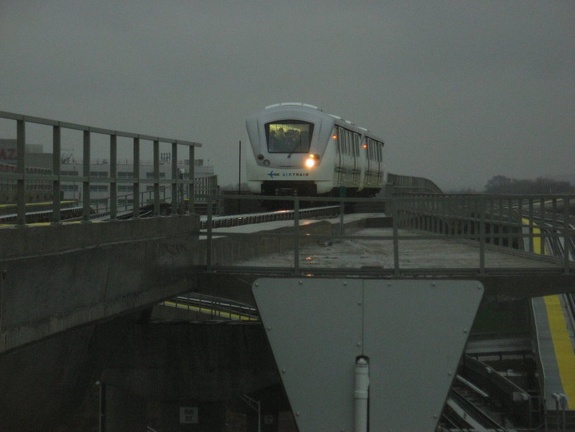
pixel 37 162
pixel 205 181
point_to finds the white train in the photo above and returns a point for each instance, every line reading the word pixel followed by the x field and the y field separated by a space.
pixel 300 150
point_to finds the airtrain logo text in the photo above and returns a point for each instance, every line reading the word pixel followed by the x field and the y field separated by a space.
pixel 273 174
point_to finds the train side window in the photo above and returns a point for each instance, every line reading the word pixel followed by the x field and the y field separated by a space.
pixel 369 148
pixel 374 150
pixel 351 150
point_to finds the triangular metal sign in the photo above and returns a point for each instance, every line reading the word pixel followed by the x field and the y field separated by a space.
pixel 412 332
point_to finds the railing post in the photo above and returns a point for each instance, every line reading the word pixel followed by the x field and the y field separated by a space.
pixel 482 235
pixel 566 237
pixel 175 178
pixel 56 154
pixel 156 149
pixel 541 229
pixel 296 235
pixel 21 170
pixel 510 220
pixel 86 177
pixel 554 232
pixel 520 240
pixel 209 235
pixel 394 215
pixel 531 227
pixel 192 181
pixel 489 222
pixel 113 176
pixel 341 216
pixel 136 179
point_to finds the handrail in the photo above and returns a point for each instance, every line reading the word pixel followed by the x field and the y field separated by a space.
pixel 488 224
pixel 21 176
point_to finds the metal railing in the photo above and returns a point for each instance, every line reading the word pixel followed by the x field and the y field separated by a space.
pixel 519 222
pixel 487 223
pixel 22 176
pixel 202 186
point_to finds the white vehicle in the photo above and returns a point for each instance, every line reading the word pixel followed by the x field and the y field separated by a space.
pixel 300 150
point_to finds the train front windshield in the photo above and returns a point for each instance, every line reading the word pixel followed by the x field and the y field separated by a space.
pixel 289 136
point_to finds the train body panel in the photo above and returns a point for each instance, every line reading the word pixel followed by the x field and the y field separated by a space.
pixel 299 150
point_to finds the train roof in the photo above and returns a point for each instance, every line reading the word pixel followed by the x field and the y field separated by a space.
pixel 300 106
pixel 293 104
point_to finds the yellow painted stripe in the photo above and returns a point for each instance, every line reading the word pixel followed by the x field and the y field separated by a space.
pixel 564 352
pixel 563 347
pixel 36 204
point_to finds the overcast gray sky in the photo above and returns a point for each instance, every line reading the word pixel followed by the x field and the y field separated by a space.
pixel 459 90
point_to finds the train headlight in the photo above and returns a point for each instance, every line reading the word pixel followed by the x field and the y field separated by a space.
pixel 312 160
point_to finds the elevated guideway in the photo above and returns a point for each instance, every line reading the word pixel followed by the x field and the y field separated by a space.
pixel 59 277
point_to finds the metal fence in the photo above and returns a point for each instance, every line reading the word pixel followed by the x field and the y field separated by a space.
pixel 531 223
pixel 21 176
pixel 525 224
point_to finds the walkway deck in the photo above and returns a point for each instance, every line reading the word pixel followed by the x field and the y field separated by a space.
pixel 365 251
pixel 369 252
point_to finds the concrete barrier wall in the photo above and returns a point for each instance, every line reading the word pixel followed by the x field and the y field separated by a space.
pixel 53 278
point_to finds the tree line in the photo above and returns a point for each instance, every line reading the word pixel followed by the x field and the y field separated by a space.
pixel 504 185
